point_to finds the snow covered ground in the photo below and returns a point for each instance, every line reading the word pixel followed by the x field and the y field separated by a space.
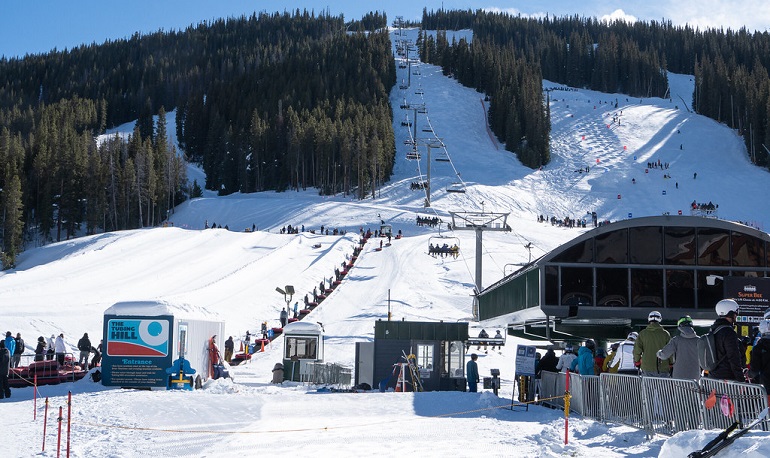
pixel 65 287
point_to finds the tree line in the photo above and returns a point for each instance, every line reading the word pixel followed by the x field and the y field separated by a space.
pixel 267 102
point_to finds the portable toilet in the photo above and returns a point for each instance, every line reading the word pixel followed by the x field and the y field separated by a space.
pixel 303 344
pixel 146 342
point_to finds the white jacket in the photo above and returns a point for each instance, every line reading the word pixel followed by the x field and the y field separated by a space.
pixel 624 358
pixel 565 361
pixel 59 346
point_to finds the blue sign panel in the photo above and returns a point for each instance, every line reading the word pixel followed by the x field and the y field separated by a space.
pixel 137 350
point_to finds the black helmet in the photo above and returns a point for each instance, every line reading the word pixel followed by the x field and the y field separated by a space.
pixel 590 344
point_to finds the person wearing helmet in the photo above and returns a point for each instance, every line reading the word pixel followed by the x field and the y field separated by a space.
pixel 730 358
pixel 607 364
pixel 683 348
pixel 624 357
pixel 565 360
pixel 584 363
pixel 651 339
pixel 759 371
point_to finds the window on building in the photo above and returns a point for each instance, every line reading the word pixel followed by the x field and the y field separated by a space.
pixel 679 246
pixel 646 288
pixel 301 347
pixel 709 295
pixel 581 252
pixel 425 356
pixel 646 245
pixel 452 364
pixel 576 286
pixel 680 288
pixel 612 287
pixel 747 251
pixel 713 247
pixel 612 247
pixel 551 285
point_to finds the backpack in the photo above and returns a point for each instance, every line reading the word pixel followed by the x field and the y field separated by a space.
pixel 707 350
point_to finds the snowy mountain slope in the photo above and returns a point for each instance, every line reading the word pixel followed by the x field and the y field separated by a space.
pixel 65 287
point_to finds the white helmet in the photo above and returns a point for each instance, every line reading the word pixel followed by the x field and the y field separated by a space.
pixel 764 327
pixel 655 316
pixel 632 336
pixel 725 306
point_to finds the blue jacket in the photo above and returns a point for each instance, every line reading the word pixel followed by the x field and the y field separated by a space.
pixel 584 363
pixel 472 371
pixel 10 344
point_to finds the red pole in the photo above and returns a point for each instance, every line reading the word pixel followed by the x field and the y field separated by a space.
pixel 69 420
pixel 34 402
pixel 58 435
pixel 45 422
pixel 566 411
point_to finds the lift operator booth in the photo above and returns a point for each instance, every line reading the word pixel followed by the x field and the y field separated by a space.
pixel 146 342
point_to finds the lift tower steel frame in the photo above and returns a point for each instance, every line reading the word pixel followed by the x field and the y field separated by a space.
pixel 479 222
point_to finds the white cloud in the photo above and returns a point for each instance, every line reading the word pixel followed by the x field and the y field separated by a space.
pixel 618 15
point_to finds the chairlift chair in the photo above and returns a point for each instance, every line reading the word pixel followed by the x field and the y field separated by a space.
pixel 439 241
pixel 456 187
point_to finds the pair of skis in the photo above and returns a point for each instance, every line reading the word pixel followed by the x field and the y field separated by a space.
pixel 724 438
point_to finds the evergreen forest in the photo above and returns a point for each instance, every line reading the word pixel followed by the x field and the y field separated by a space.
pixel 298 100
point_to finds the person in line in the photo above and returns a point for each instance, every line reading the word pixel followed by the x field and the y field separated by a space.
pixel 759 371
pixel 548 362
pixel 624 358
pixel 296 309
pixel 599 361
pixel 60 349
pixel 49 354
pixel 284 317
pixel 728 349
pixel 16 357
pixel 229 348
pixel 650 340
pixel 84 345
pixel 5 369
pixel 472 373
pixel 607 364
pixel 683 349
pixel 584 363
pixel 10 345
pixel 565 360
pixel 40 350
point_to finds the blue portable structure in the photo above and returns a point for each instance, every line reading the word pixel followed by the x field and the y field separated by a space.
pixel 146 343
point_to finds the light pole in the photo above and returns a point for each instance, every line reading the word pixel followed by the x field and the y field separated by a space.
pixel 287 292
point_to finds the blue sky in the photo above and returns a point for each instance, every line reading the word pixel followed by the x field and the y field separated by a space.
pixel 38 26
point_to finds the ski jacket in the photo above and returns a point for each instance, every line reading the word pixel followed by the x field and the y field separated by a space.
pixel 59 345
pixel 584 363
pixel 472 371
pixel 40 349
pixel 730 360
pixel 760 362
pixel 548 362
pixel 650 340
pixel 229 344
pixel 5 362
pixel 565 362
pixel 607 364
pixel 84 344
pixel 10 344
pixel 624 357
pixel 683 350
pixel 19 346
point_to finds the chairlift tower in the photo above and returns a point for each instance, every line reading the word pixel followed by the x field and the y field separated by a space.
pixel 479 222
